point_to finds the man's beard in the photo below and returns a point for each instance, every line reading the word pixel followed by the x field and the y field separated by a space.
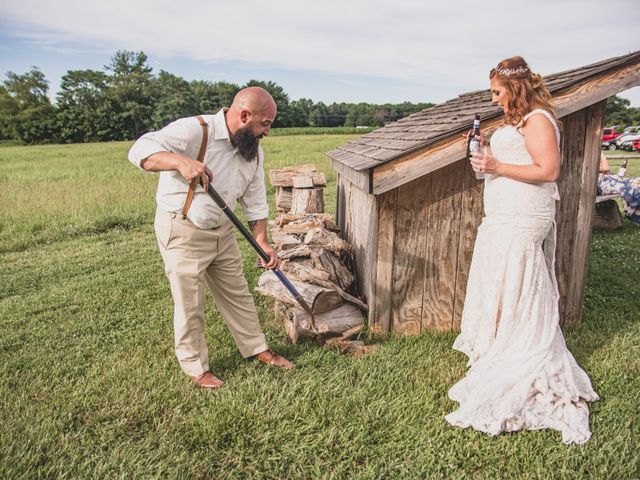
pixel 246 143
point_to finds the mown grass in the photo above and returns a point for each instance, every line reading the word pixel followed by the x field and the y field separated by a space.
pixel 90 388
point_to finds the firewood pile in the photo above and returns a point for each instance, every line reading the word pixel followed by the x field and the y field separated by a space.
pixel 316 260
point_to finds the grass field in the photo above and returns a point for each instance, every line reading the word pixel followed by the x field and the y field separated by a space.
pixel 90 388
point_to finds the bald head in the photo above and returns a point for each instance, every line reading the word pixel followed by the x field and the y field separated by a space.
pixel 252 107
pixel 249 119
pixel 255 99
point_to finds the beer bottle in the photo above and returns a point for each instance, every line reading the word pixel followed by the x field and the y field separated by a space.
pixel 623 168
pixel 474 143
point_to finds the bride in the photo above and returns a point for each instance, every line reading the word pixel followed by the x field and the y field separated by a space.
pixel 521 375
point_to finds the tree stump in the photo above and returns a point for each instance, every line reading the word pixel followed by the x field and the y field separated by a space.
pixel 307 200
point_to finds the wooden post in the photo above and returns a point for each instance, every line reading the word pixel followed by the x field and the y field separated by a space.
pixel 380 314
pixel 574 218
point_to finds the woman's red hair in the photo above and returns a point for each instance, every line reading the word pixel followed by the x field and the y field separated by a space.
pixel 526 90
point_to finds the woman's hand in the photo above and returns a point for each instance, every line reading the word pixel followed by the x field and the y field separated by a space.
pixel 485 162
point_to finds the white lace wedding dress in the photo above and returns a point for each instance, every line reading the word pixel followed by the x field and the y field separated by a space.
pixel 521 375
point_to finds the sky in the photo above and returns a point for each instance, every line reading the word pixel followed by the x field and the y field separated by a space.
pixel 330 51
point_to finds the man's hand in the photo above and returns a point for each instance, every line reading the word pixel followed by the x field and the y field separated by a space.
pixel 188 168
pixel 194 170
pixel 259 231
pixel 274 260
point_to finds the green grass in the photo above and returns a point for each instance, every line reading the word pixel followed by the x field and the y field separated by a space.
pixel 90 388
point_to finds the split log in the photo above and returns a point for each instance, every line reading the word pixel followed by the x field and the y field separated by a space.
pixel 320 269
pixel 283 177
pixel 318 298
pixel 304 270
pixel 297 322
pixel 300 251
pixel 284 241
pixel 283 199
pixel 306 220
pixel 352 332
pixel 351 299
pixel 317 179
pixel 303 181
pixel 339 274
pixel 320 238
pixel 307 200
pixel 301 227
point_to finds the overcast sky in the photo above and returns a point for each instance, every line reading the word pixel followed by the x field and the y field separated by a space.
pixel 342 51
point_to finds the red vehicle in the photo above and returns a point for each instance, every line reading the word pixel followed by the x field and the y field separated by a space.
pixel 636 145
pixel 609 135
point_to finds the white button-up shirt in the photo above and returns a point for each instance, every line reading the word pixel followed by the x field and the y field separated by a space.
pixel 234 178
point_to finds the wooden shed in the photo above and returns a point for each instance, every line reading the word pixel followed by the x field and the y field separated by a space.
pixel 409 202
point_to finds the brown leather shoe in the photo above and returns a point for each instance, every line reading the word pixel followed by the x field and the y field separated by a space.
pixel 207 380
pixel 268 357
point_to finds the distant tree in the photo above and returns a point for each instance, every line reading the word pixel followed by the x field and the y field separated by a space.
pixel 81 106
pixel 299 112
pixel 211 97
pixel 281 98
pixel 127 99
pixel 8 111
pixel 616 111
pixel 25 104
pixel 175 99
pixel 319 115
pixel 130 94
pixel 337 114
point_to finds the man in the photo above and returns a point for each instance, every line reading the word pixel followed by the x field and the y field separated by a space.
pixel 194 236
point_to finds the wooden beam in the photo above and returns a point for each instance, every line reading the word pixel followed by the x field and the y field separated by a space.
pixel 569 184
pixel 382 296
pixel 397 172
pixel 470 218
pixel 359 179
pixel 596 89
pixel 584 219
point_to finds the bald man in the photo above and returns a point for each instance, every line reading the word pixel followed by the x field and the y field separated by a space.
pixel 194 236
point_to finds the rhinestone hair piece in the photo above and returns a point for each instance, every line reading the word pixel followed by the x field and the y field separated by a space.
pixel 510 72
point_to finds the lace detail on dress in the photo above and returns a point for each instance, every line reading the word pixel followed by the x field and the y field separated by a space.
pixel 521 374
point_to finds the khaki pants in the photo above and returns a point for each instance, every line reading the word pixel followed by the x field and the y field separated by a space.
pixel 194 257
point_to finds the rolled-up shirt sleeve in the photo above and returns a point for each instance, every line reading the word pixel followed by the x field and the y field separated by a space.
pixel 172 138
pixel 254 200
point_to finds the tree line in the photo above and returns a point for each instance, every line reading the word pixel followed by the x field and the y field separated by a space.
pixel 618 112
pixel 127 99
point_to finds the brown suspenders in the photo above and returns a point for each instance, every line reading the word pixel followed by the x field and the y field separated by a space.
pixel 203 148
